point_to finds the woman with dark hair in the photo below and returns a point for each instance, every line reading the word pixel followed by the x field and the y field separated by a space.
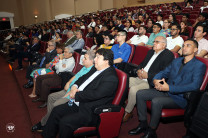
pixel 166 27
pixel 107 42
pixel 172 18
pixel 111 25
pixel 128 27
pixel 184 29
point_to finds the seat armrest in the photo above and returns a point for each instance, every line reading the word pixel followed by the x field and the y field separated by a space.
pixel 192 95
pixel 107 108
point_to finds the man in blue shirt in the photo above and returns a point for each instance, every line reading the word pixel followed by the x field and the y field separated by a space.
pixel 156 32
pixel 121 50
pixel 184 74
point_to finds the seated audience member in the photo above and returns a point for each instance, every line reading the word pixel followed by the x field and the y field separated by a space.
pixel 184 29
pixel 48 69
pixel 96 88
pixel 31 49
pixel 119 24
pixel 140 39
pixel 184 74
pixel 156 60
pixel 166 27
pixel 108 38
pixel 159 19
pixel 204 6
pixel 44 36
pixel 121 50
pixel 65 30
pixel 41 63
pixel 57 37
pixel 199 34
pixel 82 25
pixel 111 25
pixel 185 18
pixel 128 27
pixel 172 18
pixel 156 32
pixel 62 96
pixel 178 11
pixel 150 24
pixel 90 33
pixel 70 38
pixel 175 41
pixel 98 23
pixel 45 82
pixel 188 5
pixel 92 24
pixel 141 18
pixel 201 20
pixel 137 25
pixel 79 43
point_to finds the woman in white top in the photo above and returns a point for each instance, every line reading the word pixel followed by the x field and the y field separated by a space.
pixel 128 27
pixel 92 24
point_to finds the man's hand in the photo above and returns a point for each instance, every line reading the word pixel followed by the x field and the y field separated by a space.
pixel 164 86
pixel 47 50
pixel 144 74
pixel 61 56
pixel 73 92
pixel 139 73
pixel 157 83
pixel 161 87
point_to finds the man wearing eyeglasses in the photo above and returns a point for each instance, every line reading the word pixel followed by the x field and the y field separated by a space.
pixel 175 42
pixel 121 50
pixel 184 74
pixel 156 32
pixel 156 60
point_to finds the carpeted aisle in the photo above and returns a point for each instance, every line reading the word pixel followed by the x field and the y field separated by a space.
pixel 13 109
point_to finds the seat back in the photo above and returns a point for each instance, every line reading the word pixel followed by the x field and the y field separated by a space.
pixel 132 53
pixel 140 54
pixel 43 47
pixel 190 29
pixel 205 80
pixel 122 88
pixel 76 58
pixel 184 37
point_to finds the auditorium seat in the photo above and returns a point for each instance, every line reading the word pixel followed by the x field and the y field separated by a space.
pixel 167 113
pixel 140 54
pixel 184 37
pixel 110 115
pixel 132 53
pixel 190 29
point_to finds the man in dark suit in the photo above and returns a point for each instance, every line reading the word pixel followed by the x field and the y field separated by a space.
pixel 184 74
pixel 70 38
pixel 156 60
pixel 34 47
pixel 43 63
pixel 96 88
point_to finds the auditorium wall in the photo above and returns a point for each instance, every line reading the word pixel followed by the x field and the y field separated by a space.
pixel 25 10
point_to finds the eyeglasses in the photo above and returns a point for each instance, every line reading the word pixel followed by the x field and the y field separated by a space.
pixel 158 42
pixel 119 35
pixel 173 29
pixel 106 38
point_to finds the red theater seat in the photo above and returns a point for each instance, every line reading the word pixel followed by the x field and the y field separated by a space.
pixel 110 121
pixel 166 113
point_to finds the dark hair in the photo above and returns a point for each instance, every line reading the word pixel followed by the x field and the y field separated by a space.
pixel 203 26
pixel 186 14
pixel 177 26
pixel 204 14
pixel 110 36
pixel 174 17
pixel 194 41
pixel 159 25
pixel 107 54
pixel 144 27
pixel 160 15
pixel 61 46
